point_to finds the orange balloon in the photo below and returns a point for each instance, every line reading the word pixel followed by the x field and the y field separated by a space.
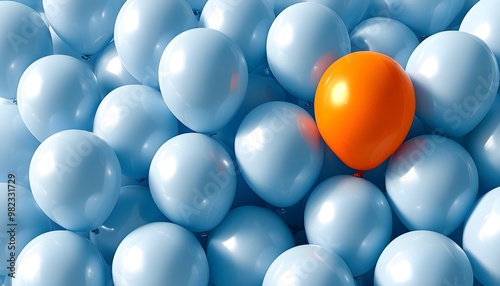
pixel 364 108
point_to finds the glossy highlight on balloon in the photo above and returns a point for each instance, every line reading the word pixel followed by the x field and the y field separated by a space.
pixel 364 108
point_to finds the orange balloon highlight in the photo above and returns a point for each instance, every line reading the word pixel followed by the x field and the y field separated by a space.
pixel 364 107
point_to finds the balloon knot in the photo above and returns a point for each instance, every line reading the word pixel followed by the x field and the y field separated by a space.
pixel 359 174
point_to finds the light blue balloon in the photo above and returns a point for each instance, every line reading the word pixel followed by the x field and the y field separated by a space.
pixel 481 21
pixel 481 238
pixel 423 258
pixel 56 93
pixel 25 38
pixel 160 253
pixel 60 258
pixel 17 147
pixel 455 24
pixel 351 12
pixel 85 25
pixel 135 122
pixel 144 28
pixel 304 40
pixel 280 152
pixel 75 179
pixel 110 71
pixel 135 207
pixel 243 246
pixel 308 265
pixel 482 144
pixel 22 220
pixel 432 183
pixel 454 88
pixel 386 36
pixel 35 4
pixel 247 23
pixel 424 17
pixel 204 88
pixel 193 181
pixel 259 90
pixel 337 205
pixel 61 48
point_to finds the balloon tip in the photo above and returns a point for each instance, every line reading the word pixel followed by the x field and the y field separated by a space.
pixel 359 174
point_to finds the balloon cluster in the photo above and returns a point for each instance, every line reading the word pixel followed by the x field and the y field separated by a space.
pixel 249 142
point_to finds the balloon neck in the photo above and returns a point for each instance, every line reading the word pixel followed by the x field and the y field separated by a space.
pixel 359 174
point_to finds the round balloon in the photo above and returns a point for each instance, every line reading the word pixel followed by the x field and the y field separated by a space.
pixel 85 25
pixel 144 28
pixel 308 265
pixel 160 253
pixel 17 147
pixel 259 90
pixel 135 122
pixel 264 144
pixel 204 88
pixel 56 93
pixel 338 204
pixel 480 21
pixel 364 107
pixel 424 17
pixel 386 36
pixel 423 258
pixel 60 258
pixel 22 221
pixel 350 12
pixel 75 179
pixel 25 38
pixel 432 183
pixel 303 41
pixel 241 249
pixel 135 207
pixel 454 88
pixel 110 71
pixel 481 238
pixel 193 181
pixel 247 23
pixel 480 143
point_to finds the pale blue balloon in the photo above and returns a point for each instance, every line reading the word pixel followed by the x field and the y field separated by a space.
pixel 483 145
pixel 193 181
pixel 144 28
pixel 135 207
pixel 60 258
pixel 246 22
pixel 110 71
pixel 454 87
pixel 56 93
pixel 204 88
pixel 481 238
pixel 482 21
pixel 135 122
pixel 75 179
pixel 85 25
pixel 351 11
pixel 243 246
pixel 25 38
pixel 61 48
pixel 337 205
pixel 160 253
pixel 432 183
pixel 308 265
pixel 424 17
pixel 259 90
pixel 423 258
pixel 35 4
pixel 22 220
pixel 17 147
pixel 386 36
pixel 304 40
pixel 280 152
